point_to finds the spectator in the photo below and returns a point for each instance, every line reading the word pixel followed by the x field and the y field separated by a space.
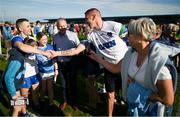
pixel 37 28
pixel 51 30
pixel 64 40
pixel 7 36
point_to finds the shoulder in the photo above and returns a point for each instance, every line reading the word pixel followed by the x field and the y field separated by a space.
pixel 111 26
pixel 17 37
pixel 112 23
pixel 68 32
pixel 56 37
pixel 49 47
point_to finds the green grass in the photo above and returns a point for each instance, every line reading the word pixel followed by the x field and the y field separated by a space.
pixel 3 63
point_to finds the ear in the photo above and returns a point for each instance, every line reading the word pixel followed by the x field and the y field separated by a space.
pixel 20 28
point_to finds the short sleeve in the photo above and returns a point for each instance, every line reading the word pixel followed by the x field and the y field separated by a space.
pixel 164 74
pixel 16 39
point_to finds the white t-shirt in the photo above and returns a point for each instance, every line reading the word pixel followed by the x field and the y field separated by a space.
pixel 30 70
pixel 108 43
pixel 138 73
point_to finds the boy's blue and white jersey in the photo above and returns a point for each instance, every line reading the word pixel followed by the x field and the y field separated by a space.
pixel 31 69
pixel 110 46
pixel 45 65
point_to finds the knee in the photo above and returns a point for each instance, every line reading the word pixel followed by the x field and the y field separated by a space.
pixel 110 95
pixel 24 94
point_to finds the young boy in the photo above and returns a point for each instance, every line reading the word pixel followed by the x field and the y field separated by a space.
pixel 31 78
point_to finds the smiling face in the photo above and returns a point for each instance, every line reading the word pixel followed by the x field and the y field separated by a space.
pixel 43 40
pixel 25 28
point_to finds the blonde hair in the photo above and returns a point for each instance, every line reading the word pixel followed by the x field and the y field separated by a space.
pixel 142 27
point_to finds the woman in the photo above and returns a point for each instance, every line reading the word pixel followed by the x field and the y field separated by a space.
pixel 146 65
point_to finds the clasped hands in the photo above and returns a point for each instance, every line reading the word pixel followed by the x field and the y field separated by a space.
pixel 50 53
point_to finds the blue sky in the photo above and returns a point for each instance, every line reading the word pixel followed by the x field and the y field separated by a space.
pixel 42 9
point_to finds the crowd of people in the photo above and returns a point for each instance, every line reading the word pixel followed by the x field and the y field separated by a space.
pixel 139 59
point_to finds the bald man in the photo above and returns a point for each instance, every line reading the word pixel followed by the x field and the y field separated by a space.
pixel 65 40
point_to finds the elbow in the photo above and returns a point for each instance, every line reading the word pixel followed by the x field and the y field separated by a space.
pixel 116 71
pixel 169 100
pixel 113 70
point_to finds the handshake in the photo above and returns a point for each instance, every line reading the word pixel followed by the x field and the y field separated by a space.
pixel 49 53
pixel 52 53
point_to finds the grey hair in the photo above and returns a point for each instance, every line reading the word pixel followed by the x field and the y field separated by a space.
pixel 142 27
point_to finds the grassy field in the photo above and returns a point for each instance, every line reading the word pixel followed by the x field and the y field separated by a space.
pixel 83 109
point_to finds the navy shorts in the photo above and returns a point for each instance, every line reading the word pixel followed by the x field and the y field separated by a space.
pixel 112 81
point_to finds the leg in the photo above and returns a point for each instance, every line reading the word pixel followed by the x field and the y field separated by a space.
pixel 110 83
pixel 50 90
pixel 43 88
pixel 63 91
pixel 35 94
pixel 91 91
pixel 16 109
pixel 24 93
pixel 110 103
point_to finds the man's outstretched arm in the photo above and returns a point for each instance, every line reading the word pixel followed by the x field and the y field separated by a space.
pixel 69 52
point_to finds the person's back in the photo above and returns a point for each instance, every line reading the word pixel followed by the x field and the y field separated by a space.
pixel 7 32
pixel 14 78
pixel 7 36
pixel 15 62
pixel 37 28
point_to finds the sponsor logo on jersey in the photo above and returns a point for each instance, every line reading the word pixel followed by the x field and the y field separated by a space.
pixel 107 45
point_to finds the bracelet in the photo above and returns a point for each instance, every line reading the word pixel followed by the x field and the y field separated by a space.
pixel 56 69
